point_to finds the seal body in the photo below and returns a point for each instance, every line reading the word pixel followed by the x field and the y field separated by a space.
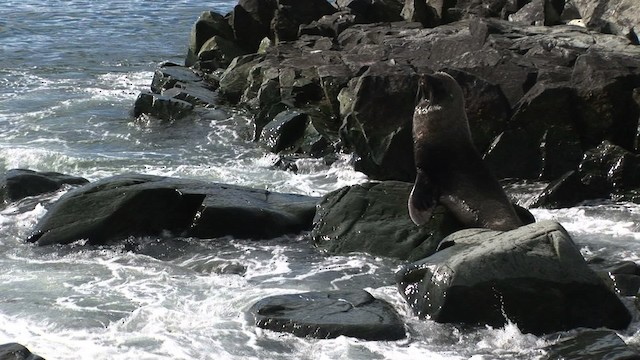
pixel 450 171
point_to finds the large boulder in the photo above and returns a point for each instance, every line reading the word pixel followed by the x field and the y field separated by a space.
pixel 605 171
pixel 373 218
pixel 115 208
pixel 537 97
pixel 373 11
pixel 286 131
pixel 208 25
pixel 248 32
pixel 17 184
pixel 234 80
pixel 218 52
pixel 539 12
pixel 616 17
pixel 331 314
pixel 534 276
pixel 428 12
pixel 15 351
pixel 290 14
pixel 377 113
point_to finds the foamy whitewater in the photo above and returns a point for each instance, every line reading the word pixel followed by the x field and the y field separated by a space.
pixel 69 74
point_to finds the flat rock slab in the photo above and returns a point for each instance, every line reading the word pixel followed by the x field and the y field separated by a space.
pixel 597 344
pixel 328 315
pixel 15 351
pixel 18 184
pixel 118 207
pixel 534 275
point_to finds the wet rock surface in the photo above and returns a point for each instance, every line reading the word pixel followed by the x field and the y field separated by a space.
pixel 551 90
pixel 597 344
pixel 17 184
pixel 15 351
pixel 373 218
pixel 115 208
pixel 330 314
pixel 534 276
pixel 541 95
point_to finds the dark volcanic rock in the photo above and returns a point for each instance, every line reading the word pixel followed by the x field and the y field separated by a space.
pixel 605 84
pixel 191 93
pixel 208 25
pixel 290 14
pixel 535 276
pixel 373 218
pixel 329 315
pixel 596 344
pixel 616 17
pixel 285 131
pixel 539 12
pixel 373 11
pixel 15 351
pixel 624 277
pixel 428 13
pixel 17 184
pixel 234 79
pixel 605 171
pixel 218 52
pixel 168 75
pixel 115 208
pixel 247 31
pixel 378 118
pixel 567 191
pixel 329 25
pixel 538 97
pixel 161 107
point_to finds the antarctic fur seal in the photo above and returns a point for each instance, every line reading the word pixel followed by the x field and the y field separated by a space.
pixel 450 171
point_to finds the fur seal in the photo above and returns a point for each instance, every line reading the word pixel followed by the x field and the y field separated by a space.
pixel 450 171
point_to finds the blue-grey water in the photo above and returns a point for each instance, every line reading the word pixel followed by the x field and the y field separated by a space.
pixel 69 73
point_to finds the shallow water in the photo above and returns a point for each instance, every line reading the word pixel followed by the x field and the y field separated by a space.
pixel 69 73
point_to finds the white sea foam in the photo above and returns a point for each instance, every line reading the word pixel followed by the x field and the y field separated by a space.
pixel 121 87
pixel 607 229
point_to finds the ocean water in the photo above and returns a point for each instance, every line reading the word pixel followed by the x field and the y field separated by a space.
pixel 69 74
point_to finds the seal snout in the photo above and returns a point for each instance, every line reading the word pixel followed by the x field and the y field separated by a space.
pixel 434 88
pixel 424 88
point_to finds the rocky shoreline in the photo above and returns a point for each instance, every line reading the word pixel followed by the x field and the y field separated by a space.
pixel 546 100
pixel 557 103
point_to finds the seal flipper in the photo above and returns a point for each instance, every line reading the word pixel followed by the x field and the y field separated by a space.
pixel 422 200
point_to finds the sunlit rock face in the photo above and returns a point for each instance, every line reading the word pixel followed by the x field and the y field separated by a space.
pixel 533 276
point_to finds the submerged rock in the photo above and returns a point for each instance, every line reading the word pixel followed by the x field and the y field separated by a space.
pixel 17 184
pixel 161 107
pixel 534 276
pixel 597 344
pixel 15 351
pixel 328 315
pixel 115 208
